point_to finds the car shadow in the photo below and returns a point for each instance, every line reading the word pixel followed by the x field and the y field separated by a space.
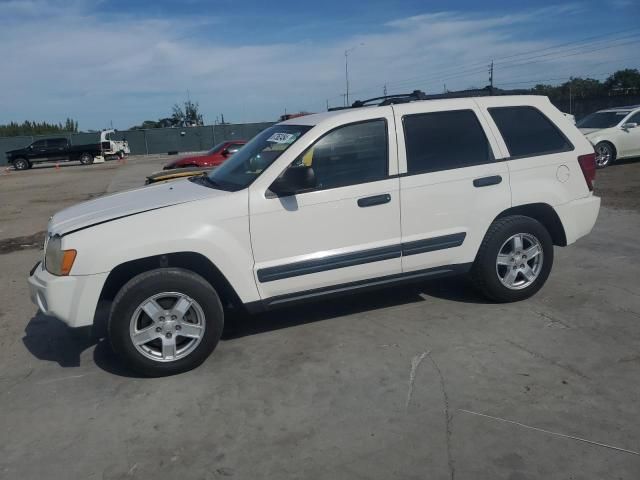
pixel 456 289
pixel 49 339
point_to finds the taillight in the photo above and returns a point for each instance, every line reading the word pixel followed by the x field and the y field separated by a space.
pixel 588 166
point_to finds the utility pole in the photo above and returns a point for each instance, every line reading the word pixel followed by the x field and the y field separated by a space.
pixel 491 76
pixel 327 104
pixel 444 86
pixel 344 99
pixel 570 82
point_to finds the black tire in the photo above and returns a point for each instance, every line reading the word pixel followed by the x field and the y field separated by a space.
pixel 605 154
pixel 21 164
pixel 153 282
pixel 86 159
pixel 485 271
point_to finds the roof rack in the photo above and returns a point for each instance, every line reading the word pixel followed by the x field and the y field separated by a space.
pixel 420 95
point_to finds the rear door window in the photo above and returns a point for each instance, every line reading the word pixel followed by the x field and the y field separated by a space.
pixel 444 140
pixel 528 132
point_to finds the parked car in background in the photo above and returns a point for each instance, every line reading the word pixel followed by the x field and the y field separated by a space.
pixel 323 205
pixel 54 150
pixel 214 157
pixel 111 147
pixel 614 132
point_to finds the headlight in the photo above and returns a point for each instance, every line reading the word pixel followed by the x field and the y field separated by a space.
pixel 58 261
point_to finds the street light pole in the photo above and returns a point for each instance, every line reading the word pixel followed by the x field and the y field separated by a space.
pixel 346 70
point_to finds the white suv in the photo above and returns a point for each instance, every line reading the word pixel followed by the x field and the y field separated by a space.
pixel 320 205
pixel 614 132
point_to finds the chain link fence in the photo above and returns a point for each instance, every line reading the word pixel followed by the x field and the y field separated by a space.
pixel 156 140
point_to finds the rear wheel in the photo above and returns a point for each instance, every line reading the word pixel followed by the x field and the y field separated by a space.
pixel 86 159
pixel 514 259
pixel 605 154
pixel 165 321
pixel 21 164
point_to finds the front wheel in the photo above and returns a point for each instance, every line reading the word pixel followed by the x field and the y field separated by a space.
pixel 165 321
pixel 605 154
pixel 86 159
pixel 21 164
pixel 514 259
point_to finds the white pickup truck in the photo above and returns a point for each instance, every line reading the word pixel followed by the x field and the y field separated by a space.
pixel 111 147
pixel 321 205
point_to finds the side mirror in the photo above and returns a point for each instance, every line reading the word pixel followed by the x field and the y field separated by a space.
pixel 294 180
pixel 629 125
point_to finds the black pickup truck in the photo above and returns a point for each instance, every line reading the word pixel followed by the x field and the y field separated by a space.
pixel 53 150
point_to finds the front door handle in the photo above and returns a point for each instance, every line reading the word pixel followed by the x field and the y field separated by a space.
pixel 375 200
pixel 486 181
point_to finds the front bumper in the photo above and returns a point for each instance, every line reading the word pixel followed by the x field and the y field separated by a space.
pixel 72 299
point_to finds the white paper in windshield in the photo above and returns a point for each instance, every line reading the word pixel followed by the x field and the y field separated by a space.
pixel 282 138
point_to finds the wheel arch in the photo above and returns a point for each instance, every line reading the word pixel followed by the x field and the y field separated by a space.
pixel 195 262
pixel 543 213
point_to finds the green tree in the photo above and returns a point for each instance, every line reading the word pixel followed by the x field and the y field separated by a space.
pixel 188 116
pixel 583 87
pixel 14 129
pixel 623 81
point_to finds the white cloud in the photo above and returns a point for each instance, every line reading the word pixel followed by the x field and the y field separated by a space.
pixel 74 62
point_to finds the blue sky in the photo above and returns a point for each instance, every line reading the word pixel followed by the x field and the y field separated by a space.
pixel 103 61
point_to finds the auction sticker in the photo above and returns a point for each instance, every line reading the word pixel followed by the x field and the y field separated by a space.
pixel 281 138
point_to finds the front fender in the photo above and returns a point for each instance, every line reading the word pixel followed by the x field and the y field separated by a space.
pixel 595 139
pixel 222 237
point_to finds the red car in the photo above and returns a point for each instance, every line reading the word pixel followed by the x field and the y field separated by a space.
pixel 212 158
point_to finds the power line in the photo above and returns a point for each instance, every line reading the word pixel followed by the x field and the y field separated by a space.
pixel 525 58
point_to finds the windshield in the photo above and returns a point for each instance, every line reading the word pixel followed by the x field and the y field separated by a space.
pixel 215 149
pixel 602 119
pixel 251 160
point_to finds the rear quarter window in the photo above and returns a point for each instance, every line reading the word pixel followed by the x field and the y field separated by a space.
pixel 528 132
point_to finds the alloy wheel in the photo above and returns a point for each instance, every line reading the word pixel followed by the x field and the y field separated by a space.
pixel 519 261
pixel 603 155
pixel 167 326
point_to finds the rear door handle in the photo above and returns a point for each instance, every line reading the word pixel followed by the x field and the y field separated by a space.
pixel 375 200
pixel 486 181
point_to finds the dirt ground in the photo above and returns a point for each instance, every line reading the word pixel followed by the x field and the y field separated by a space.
pixel 619 185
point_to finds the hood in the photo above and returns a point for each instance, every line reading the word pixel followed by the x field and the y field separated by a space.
pixel 16 150
pixel 587 131
pixel 130 202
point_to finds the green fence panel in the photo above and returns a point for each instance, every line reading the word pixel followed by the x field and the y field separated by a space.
pixel 155 140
